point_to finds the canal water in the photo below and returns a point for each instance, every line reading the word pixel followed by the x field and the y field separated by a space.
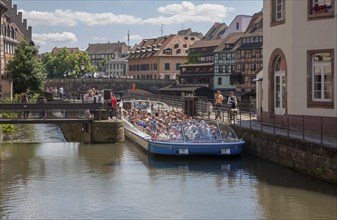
pixel 47 178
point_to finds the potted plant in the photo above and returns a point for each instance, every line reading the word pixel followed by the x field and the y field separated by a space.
pixel 318 9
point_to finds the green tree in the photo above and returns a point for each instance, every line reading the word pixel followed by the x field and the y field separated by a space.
pixel 26 69
pixel 192 57
pixel 65 62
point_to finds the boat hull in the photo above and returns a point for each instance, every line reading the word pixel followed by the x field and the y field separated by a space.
pixel 184 149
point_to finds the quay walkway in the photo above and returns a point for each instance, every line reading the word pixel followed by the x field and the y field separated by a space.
pixel 249 120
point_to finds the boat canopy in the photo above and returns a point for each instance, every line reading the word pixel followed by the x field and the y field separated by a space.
pixel 198 132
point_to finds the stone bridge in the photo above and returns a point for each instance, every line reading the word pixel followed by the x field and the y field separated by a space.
pixel 79 84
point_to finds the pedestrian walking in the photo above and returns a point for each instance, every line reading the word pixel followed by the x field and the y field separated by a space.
pixel 218 104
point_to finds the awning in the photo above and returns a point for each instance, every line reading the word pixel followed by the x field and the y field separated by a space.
pixel 197 64
pixel 259 76
pixel 195 75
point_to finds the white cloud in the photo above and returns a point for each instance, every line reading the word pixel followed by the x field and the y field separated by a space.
pixel 177 14
pixel 65 37
pixel 134 37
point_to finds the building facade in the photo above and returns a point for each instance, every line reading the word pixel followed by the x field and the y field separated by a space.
pixel 117 68
pixel 200 67
pixel 239 24
pixel 101 53
pixel 225 77
pixel 14 29
pixel 299 75
pixel 249 59
pixel 160 58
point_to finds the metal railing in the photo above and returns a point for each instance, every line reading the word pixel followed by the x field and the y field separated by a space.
pixel 302 127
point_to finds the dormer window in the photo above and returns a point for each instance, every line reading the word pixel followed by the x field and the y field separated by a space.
pixel 176 45
pixel 168 51
pixel 185 45
pixel 192 38
pixel 178 51
pixel 237 25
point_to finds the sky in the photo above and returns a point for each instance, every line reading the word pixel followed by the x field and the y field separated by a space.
pixel 76 23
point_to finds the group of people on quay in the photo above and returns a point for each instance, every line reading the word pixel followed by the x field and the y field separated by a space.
pixel 171 125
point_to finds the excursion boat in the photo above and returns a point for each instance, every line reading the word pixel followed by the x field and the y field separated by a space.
pixel 181 138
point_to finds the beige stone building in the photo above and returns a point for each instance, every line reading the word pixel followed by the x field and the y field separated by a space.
pixel 160 58
pixel 299 60
pixel 13 30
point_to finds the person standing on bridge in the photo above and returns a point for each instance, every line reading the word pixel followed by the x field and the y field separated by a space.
pixel 25 99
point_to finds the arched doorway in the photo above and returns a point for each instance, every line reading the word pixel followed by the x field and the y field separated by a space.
pixel 280 87
pixel 277 70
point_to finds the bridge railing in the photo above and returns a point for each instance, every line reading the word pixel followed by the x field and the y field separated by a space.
pixel 51 110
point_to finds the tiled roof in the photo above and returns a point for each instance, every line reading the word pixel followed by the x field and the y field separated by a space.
pixel 3 5
pixel 215 31
pixel 104 48
pixel 248 46
pixel 207 43
pixel 230 39
pixel 178 44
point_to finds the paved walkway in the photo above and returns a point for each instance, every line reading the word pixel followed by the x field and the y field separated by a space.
pixel 251 122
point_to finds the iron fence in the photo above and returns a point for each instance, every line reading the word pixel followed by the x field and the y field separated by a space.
pixel 317 130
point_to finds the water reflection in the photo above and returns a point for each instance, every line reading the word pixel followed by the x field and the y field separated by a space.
pixel 120 181
pixel 101 158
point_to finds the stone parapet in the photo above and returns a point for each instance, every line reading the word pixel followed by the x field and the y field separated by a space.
pixel 310 158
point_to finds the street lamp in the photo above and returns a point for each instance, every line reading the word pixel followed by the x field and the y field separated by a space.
pixel 82 71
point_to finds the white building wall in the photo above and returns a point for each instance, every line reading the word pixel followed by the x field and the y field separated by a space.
pixel 295 38
pixel 244 22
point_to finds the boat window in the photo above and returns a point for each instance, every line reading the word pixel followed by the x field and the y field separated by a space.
pixel 172 133
pixel 201 132
pixel 228 134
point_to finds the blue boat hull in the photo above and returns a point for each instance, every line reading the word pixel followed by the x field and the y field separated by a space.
pixel 163 148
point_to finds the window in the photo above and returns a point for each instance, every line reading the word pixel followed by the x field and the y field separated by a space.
pixel 167 66
pixel 168 51
pixel 321 78
pixel 278 12
pixel 219 81
pixel 177 66
pixel 321 9
pixel 242 54
pixel 237 25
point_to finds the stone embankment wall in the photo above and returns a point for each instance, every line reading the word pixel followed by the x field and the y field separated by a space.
pixel 96 132
pixel 310 158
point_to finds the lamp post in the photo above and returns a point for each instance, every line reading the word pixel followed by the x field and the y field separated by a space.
pixel 65 80
pixel 82 71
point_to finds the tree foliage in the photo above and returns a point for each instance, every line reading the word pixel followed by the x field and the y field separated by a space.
pixel 64 62
pixel 25 69
pixel 192 57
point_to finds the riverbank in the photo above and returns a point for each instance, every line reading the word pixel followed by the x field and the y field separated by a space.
pixel 306 157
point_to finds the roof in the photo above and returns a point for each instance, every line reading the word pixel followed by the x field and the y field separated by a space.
pixel 181 88
pixel 230 39
pixel 215 31
pixel 177 44
pixel 104 48
pixel 256 23
pixel 248 46
pixel 3 5
pixel 207 43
